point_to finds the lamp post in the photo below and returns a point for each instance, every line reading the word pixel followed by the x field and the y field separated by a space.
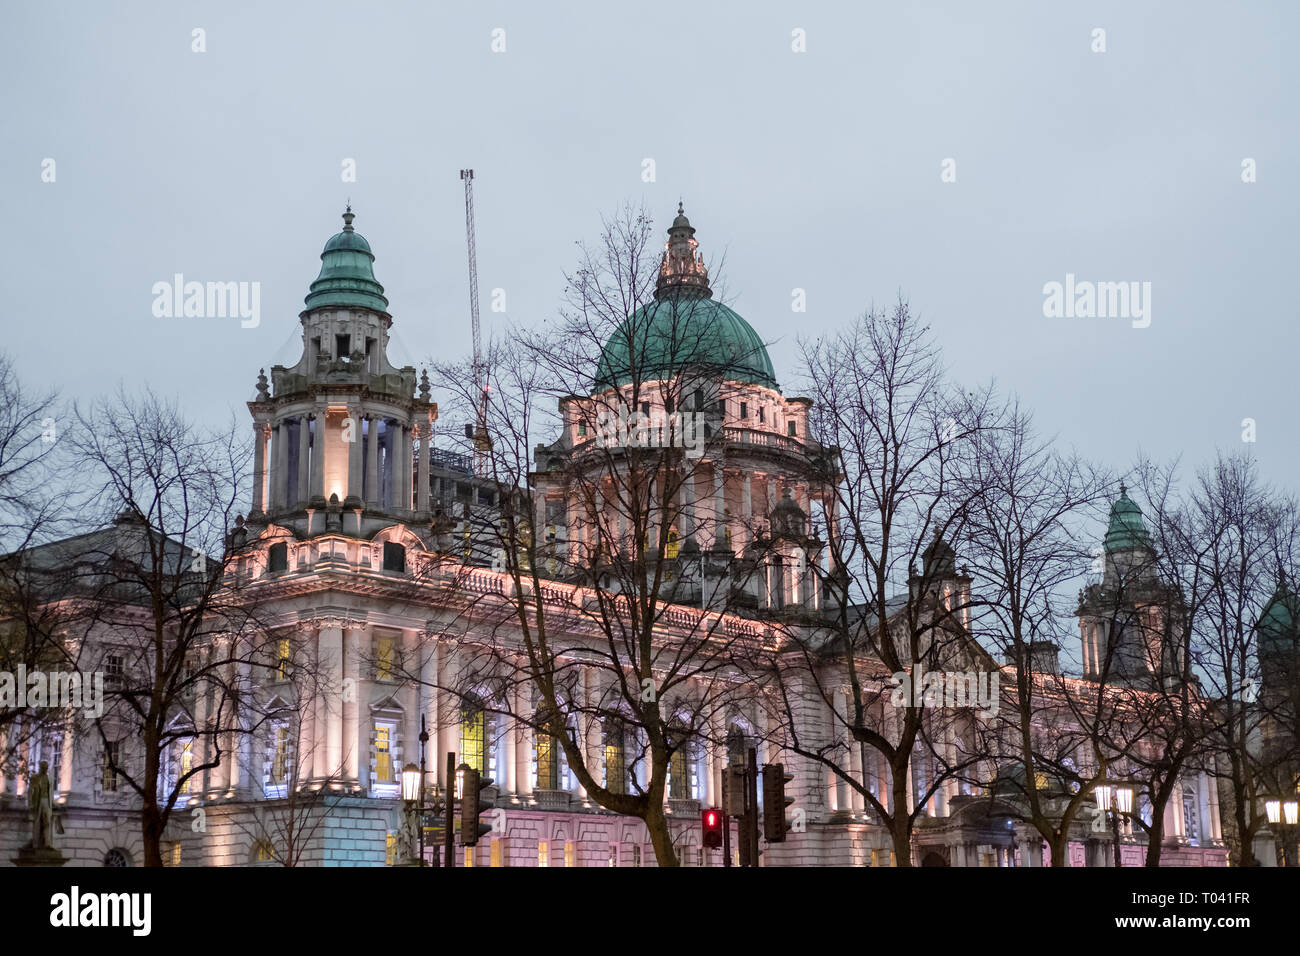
pixel 1115 801
pixel 1283 817
pixel 413 798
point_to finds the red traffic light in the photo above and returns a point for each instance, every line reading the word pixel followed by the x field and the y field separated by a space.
pixel 711 821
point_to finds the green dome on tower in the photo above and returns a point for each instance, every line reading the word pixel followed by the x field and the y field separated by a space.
pixel 1127 531
pixel 347 275
pixel 684 327
pixel 1277 626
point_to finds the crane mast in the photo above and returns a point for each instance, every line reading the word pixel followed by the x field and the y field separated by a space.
pixel 482 443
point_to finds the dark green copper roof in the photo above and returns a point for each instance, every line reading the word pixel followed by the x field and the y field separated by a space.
pixel 1126 529
pixel 1277 625
pixel 663 338
pixel 347 276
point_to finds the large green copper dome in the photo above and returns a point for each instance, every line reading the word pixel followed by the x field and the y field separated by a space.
pixel 1126 530
pixel 684 327
pixel 347 275
pixel 662 339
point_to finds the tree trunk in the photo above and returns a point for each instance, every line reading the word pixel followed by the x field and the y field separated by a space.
pixel 151 831
pixel 660 837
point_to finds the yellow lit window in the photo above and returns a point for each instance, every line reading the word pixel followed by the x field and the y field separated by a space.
pixel 390 850
pixel 283 654
pixel 469 856
pixel 174 854
pixel 543 853
pixel 495 858
pixel 187 764
pixel 383 754
pixel 471 736
pixel 570 854
pixel 280 762
pixel 385 658
pixel 673 547
pixel 263 852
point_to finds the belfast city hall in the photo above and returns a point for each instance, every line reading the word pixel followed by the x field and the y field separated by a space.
pixel 627 631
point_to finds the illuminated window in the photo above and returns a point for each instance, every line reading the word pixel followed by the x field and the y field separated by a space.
pixel 278 777
pixel 496 856
pixel 263 851
pixel 615 758
pixel 385 657
pixel 570 854
pixel 390 850
pixel 543 853
pixel 174 853
pixel 187 765
pixel 469 856
pixel 673 547
pixel 283 652
pixel 548 762
pixel 383 774
pixel 472 734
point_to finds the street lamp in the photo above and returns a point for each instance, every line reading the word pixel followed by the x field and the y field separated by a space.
pixel 1114 801
pixel 1283 816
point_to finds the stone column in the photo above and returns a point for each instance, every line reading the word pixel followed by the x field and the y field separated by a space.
pixel 448 735
pixel 746 510
pixel 422 473
pixel 688 504
pixel 351 672
pixel 354 454
pixel 64 782
pixel 303 490
pixel 331 659
pixel 719 503
pixel 318 454
pixel 276 481
pixel 259 467
pixel 373 497
pixel 404 466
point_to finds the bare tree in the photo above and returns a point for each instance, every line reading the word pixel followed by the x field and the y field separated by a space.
pixel 893 428
pixel 156 612
pixel 1023 538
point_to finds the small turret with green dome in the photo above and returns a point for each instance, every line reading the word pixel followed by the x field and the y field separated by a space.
pixel 347 274
pixel 1126 531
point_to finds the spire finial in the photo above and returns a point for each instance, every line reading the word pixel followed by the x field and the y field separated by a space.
pixel 1123 489
pixel 680 210
pixel 348 216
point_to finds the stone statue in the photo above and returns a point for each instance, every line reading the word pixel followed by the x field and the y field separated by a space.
pixel 41 806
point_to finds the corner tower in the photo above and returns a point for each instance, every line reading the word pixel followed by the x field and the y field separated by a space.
pixel 336 433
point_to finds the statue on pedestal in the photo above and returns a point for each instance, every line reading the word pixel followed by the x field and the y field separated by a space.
pixel 40 803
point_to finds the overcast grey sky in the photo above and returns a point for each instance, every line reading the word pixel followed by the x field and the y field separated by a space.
pixel 817 170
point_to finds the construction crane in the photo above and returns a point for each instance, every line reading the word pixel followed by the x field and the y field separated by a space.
pixel 478 432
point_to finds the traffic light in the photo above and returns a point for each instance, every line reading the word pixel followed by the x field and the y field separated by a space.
pixel 775 801
pixel 711 821
pixel 735 805
pixel 472 804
